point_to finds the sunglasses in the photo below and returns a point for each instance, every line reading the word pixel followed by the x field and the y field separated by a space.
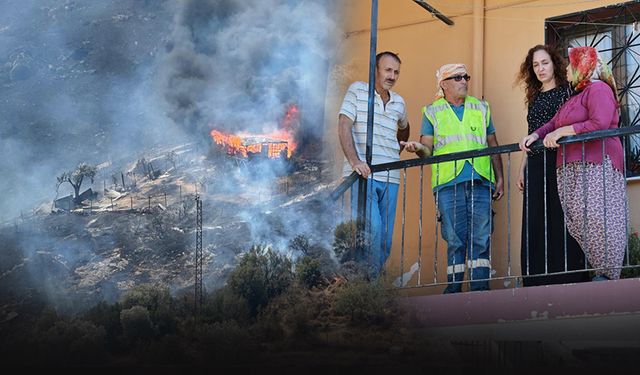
pixel 466 77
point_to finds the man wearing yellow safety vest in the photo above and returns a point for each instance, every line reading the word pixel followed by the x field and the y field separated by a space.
pixel 463 189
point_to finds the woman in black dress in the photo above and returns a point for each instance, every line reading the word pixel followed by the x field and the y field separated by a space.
pixel 543 252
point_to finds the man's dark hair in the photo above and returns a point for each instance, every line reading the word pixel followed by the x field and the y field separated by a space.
pixel 387 53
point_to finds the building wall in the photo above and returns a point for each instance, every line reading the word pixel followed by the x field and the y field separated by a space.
pixel 424 43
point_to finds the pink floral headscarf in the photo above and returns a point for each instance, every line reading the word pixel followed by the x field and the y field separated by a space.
pixel 586 65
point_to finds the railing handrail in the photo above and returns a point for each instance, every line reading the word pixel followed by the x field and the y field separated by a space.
pixel 537 145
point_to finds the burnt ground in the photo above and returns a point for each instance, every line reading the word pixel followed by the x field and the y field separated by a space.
pixel 96 252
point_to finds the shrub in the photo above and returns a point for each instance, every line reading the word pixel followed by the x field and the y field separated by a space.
pixel 261 275
pixel 107 316
pixel 308 271
pixel 136 324
pixel 349 242
pixel 225 305
pixel 365 302
pixel 157 301
pixel 72 343
pixel 290 318
pixel 300 243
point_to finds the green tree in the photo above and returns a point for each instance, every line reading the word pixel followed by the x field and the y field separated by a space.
pixel 308 272
pixel 136 324
pixel 261 275
pixel 157 301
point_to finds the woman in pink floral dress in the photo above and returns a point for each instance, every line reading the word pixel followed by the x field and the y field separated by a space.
pixel 591 180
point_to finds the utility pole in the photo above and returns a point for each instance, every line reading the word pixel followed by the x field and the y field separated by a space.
pixel 198 273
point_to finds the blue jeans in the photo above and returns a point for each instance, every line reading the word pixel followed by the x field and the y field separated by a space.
pixel 381 214
pixel 467 223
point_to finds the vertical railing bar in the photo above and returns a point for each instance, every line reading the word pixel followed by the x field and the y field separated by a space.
pixel 386 214
pixel 584 200
pixel 564 213
pixel 404 211
pixel 544 200
pixel 490 214
pixel 526 208
pixel 626 207
pixel 418 282
pixel 508 214
pixel 368 220
pixel 436 234
pixel 364 183
pixel 455 210
pixel 471 255
pixel 604 207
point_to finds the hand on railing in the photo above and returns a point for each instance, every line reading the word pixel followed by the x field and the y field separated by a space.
pixel 551 140
pixel 527 141
pixel 361 168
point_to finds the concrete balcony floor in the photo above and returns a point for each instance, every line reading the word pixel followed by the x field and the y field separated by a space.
pixel 594 325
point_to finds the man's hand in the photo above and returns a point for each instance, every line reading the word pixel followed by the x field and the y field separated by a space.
pixel 497 194
pixel 361 168
pixel 412 146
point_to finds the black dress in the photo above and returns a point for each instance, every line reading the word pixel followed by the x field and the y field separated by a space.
pixel 534 252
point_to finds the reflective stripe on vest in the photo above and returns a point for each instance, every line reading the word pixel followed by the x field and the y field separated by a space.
pixel 452 135
pixel 457 138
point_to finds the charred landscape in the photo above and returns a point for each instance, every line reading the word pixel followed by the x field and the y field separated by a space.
pixel 166 190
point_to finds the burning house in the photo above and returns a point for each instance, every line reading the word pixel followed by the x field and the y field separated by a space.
pixel 269 146
pixel 278 144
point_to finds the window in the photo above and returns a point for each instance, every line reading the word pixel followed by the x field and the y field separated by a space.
pixel 615 32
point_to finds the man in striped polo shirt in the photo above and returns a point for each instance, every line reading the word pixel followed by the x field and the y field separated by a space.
pixel 390 126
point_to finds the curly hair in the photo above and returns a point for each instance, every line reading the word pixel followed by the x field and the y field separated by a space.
pixel 527 77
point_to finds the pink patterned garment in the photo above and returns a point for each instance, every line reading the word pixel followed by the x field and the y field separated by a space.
pixel 591 200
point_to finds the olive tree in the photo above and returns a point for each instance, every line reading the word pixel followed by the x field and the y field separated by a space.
pixel 76 177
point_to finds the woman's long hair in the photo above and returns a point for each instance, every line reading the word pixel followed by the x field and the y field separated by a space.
pixel 527 77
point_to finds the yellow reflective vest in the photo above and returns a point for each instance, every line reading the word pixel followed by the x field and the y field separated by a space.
pixel 452 135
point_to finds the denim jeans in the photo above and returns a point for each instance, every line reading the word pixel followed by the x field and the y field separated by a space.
pixel 381 214
pixel 467 223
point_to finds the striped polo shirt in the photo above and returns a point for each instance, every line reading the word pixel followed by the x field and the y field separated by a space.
pixel 386 121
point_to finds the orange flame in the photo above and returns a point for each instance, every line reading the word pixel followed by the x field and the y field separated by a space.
pixel 245 143
pixel 276 141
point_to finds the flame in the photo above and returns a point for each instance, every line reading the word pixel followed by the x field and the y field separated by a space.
pixel 245 143
pixel 276 141
pixel 291 118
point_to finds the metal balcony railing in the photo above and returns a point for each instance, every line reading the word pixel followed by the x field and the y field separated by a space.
pixel 430 259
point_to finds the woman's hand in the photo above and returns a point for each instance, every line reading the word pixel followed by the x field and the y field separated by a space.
pixel 527 141
pixel 520 181
pixel 521 176
pixel 551 140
